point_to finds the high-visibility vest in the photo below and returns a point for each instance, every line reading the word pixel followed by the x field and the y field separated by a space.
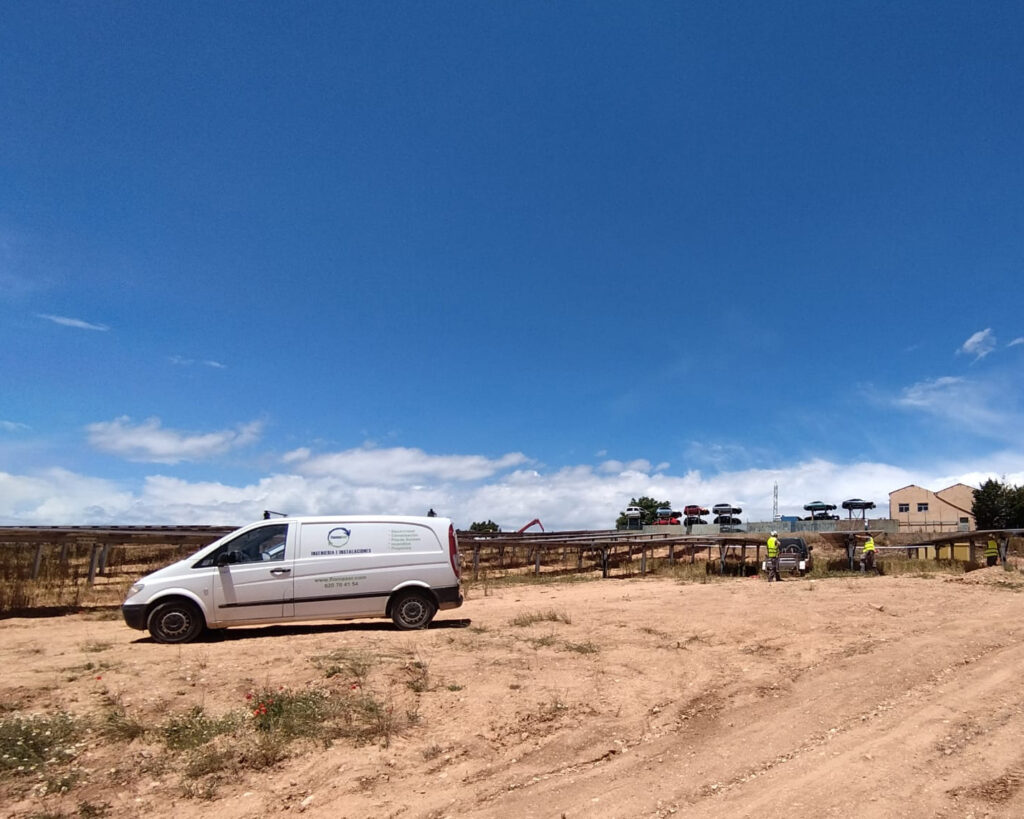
pixel 991 550
pixel 869 545
pixel 773 547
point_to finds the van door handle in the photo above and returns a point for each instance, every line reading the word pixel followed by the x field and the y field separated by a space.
pixel 280 571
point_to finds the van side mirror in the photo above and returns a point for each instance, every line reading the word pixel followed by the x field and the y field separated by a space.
pixel 226 558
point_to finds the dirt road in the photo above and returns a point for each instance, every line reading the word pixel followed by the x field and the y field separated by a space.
pixel 874 696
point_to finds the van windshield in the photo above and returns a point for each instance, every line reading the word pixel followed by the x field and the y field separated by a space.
pixel 256 545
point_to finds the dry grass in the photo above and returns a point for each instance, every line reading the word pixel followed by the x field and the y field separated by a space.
pixel 529 618
pixel 62 582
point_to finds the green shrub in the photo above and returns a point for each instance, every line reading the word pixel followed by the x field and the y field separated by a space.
pixel 194 728
pixel 28 744
pixel 290 714
pixel 118 725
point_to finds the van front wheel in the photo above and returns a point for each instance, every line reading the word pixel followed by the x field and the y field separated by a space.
pixel 412 610
pixel 176 621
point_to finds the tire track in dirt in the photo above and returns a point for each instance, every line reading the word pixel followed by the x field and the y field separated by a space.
pixel 856 730
pixel 897 731
pixel 867 697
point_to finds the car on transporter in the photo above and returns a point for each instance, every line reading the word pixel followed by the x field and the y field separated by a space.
pixel 304 568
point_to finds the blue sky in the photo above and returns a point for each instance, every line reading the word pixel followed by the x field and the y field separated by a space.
pixel 506 260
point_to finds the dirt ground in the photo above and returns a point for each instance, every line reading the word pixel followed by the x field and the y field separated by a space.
pixel 867 696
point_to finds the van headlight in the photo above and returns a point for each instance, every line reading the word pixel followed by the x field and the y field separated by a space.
pixel 134 590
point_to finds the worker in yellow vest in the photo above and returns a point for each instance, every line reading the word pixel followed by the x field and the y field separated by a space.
pixel 868 559
pixel 773 557
pixel 991 552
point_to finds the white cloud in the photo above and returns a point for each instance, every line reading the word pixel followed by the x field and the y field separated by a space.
pixel 1016 341
pixel 13 426
pixel 57 496
pixel 572 497
pixel 150 442
pixel 980 344
pixel 980 407
pixel 621 467
pixel 181 361
pixel 397 465
pixel 73 322
pixel 931 395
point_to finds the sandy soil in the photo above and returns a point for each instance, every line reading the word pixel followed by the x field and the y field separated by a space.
pixel 874 696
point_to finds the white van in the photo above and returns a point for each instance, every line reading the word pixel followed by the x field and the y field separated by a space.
pixel 304 568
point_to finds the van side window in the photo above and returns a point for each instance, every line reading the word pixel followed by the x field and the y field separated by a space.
pixel 257 545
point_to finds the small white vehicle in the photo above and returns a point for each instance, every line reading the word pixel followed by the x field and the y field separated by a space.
pixel 634 512
pixel 304 568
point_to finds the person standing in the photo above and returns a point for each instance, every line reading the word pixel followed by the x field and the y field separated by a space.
pixel 991 552
pixel 773 557
pixel 869 554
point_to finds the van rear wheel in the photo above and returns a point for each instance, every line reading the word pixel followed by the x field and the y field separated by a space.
pixel 176 621
pixel 411 610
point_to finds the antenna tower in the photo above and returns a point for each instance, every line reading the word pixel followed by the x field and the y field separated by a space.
pixel 775 502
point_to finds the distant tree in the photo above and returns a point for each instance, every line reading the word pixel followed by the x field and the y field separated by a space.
pixel 484 526
pixel 998 506
pixel 1017 508
pixel 650 507
pixel 991 508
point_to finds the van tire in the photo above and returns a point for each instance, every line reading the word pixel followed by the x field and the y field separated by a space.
pixel 176 621
pixel 412 610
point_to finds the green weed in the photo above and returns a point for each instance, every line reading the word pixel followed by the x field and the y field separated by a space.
pixel 290 714
pixel 418 675
pixel 195 727
pixel 206 760
pixel 31 744
pixel 368 719
pixel 118 726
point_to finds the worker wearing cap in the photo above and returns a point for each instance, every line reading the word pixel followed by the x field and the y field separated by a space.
pixel 773 557
pixel 869 554
pixel 991 552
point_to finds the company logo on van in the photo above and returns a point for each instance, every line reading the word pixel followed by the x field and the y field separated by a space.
pixel 338 537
